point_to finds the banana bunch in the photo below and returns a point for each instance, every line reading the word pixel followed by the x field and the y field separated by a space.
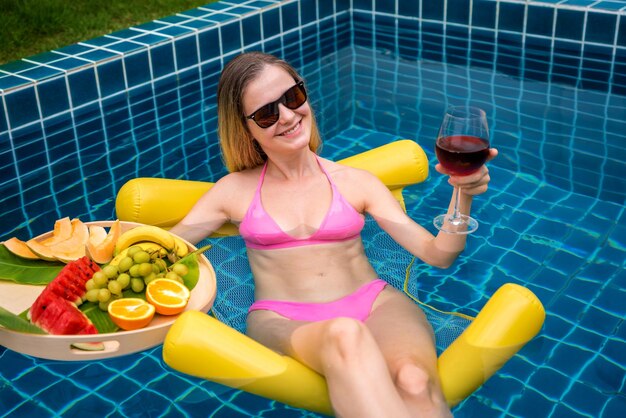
pixel 148 234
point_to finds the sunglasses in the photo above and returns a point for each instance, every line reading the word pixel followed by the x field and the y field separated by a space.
pixel 268 114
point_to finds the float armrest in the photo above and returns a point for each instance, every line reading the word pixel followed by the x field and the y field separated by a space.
pixel 164 202
pixel 510 319
pixel 200 345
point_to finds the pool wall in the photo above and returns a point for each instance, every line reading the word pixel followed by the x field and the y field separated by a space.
pixel 78 122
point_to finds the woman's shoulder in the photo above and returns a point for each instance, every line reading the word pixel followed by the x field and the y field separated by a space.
pixel 345 173
pixel 238 182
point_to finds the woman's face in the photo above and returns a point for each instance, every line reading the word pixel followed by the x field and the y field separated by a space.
pixel 292 131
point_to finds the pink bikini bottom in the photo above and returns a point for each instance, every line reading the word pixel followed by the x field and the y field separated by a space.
pixel 357 305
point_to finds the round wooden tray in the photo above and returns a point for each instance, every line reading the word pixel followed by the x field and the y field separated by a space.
pixel 17 298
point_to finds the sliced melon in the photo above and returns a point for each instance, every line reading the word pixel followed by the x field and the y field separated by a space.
pixel 62 231
pixel 73 248
pixel 102 252
pixel 97 234
pixel 43 251
pixel 19 248
pixel 67 250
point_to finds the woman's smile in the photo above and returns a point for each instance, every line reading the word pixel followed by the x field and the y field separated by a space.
pixel 293 131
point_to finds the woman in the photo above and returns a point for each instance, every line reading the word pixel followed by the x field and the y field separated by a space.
pixel 318 299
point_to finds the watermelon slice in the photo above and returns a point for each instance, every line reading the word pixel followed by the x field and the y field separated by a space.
pixel 55 309
pixel 61 317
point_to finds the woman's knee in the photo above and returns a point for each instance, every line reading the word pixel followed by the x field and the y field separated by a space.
pixel 343 339
pixel 416 382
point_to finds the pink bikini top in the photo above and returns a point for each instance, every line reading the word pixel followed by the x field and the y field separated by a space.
pixel 259 231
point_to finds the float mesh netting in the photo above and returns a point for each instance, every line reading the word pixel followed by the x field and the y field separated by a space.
pixel 235 286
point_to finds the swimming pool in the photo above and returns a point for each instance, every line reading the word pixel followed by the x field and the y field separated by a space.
pixel 551 77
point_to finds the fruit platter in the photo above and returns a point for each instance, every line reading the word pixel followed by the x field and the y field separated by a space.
pixel 80 292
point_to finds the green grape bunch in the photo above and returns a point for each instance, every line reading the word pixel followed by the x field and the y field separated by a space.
pixel 134 271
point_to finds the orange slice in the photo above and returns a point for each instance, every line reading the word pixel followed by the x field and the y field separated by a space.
pixel 169 297
pixel 131 313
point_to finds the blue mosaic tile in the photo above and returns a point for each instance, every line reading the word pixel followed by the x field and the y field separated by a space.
pixel 621 37
pixel 195 24
pixel 569 24
pixel 511 17
pixel 251 29
pixel 218 17
pixel 174 31
pixel 537 405
pixel 539 20
pixel 458 11
pixel 83 87
pixel 110 77
pixel 124 47
pixel 271 23
pixel 3 130
pixel 150 39
pixel 69 63
pixel 40 73
pixel 208 42
pixel 30 409
pixel 186 52
pixel 241 10
pixel 432 10
pixel 137 68
pixel 290 17
pixel 484 14
pixel 22 107
pixel 101 41
pixel 325 9
pixel 91 404
pixel 585 398
pixel 174 19
pixel 162 59
pixel 53 97
pixel 600 28
pixel 8 81
pixel 230 37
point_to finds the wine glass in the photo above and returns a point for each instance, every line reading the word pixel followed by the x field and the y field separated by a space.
pixel 462 147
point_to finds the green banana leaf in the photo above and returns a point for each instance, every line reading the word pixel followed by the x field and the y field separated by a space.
pixel 100 319
pixel 18 323
pixel 23 271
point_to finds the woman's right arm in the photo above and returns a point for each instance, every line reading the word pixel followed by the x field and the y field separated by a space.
pixel 208 214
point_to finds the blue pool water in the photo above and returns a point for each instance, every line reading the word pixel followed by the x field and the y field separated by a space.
pixel 553 219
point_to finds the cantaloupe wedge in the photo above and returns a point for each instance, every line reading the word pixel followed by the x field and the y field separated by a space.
pixel 97 234
pixel 102 251
pixel 67 250
pixel 19 248
pixel 73 248
pixel 62 231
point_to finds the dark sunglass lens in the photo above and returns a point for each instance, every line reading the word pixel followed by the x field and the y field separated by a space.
pixel 267 115
pixel 295 96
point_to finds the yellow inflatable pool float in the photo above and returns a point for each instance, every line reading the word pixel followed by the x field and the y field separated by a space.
pixel 200 345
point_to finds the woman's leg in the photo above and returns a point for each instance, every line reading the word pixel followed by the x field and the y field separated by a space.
pixel 344 351
pixel 406 340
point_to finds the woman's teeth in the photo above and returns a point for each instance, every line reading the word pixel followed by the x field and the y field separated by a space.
pixel 292 130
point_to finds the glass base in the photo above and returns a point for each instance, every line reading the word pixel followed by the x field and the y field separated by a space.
pixel 461 225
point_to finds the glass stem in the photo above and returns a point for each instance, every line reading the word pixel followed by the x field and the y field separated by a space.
pixel 455 218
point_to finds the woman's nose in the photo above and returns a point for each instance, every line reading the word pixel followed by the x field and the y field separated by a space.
pixel 285 114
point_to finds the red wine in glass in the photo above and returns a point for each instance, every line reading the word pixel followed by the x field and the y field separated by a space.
pixel 462 154
pixel 462 147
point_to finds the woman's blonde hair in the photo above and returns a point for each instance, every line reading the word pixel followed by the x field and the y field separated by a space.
pixel 239 149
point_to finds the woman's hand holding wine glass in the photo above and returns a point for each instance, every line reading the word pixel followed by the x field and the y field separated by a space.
pixel 462 149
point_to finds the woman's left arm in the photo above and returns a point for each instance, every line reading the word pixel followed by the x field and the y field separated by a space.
pixel 440 250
